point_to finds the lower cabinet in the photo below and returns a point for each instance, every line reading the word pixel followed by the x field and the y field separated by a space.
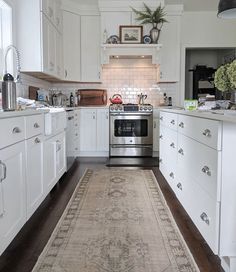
pixel 94 132
pixel 34 173
pixel 12 192
pixel 54 160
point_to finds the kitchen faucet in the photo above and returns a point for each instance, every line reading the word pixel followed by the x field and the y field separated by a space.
pixel 12 47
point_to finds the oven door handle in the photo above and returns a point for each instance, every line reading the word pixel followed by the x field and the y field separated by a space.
pixel 131 114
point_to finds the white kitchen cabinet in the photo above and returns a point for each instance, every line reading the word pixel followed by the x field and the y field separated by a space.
pixel 13 193
pixel 170 51
pixel 54 160
pixel 94 132
pixel 71 45
pixel 41 53
pixel 34 173
pixel 156 131
pixel 90 49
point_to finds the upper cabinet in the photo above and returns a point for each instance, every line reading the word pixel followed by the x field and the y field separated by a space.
pixel 170 51
pixel 39 37
pixel 71 46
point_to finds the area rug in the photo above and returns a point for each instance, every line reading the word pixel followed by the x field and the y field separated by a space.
pixel 116 221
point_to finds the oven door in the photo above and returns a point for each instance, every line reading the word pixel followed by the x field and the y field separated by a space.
pixel 131 129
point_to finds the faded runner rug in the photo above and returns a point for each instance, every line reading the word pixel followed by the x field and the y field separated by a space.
pixel 116 221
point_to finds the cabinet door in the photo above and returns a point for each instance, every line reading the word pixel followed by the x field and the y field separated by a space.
pixel 88 141
pixel 102 130
pixel 90 48
pixel 60 154
pixel 49 165
pixel 13 196
pixel 49 45
pixel 34 173
pixel 71 45
pixel 170 51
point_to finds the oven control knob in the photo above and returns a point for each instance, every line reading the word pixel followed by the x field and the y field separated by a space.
pixel 141 108
pixel 145 108
pixel 150 108
pixel 112 108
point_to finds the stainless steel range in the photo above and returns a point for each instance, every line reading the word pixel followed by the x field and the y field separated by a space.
pixel 131 129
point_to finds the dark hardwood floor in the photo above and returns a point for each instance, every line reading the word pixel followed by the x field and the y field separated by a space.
pixel 23 252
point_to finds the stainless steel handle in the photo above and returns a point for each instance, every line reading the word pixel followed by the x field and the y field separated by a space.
pixel 179 185
pixel 36 125
pixel 131 113
pixel 181 151
pixel 70 118
pixel 154 124
pixel 172 145
pixel 207 133
pixel 171 175
pixel 65 73
pixel 181 124
pixel 4 171
pixel 16 130
pixel 206 170
pixel 172 122
pixel 37 140
pixel 161 118
pixel 205 218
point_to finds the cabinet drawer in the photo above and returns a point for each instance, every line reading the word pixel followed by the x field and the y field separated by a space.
pixel 205 131
pixel 203 210
pixel 13 131
pixel 34 125
pixel 200 162
pixel 169 172
pixel 168 119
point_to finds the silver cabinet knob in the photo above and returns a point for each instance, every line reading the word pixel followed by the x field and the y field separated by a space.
pixel 154 124
pixel 36 125
pixel 207 133
pixel 205 218
pixel 161 118
pixel 181 151
pixel 161 136
pixel 172 175
pixel 37 140
pixel 160 160
pixel 16 130
pixel 4 171
pixel 172 145
pixel 181 124
pixel 179 185
pixel 206 170
pixel 172 122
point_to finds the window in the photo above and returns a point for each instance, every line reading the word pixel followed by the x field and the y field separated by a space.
pixel 5 34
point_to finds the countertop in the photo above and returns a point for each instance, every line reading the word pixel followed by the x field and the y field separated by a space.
pixel 18 113
pixel 219 115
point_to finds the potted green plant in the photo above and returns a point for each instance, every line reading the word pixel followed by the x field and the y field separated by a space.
pixel 156 18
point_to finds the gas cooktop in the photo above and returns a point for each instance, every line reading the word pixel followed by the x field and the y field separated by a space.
pixel 131 107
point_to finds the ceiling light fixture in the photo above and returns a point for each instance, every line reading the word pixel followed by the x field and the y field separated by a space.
pixel 227 9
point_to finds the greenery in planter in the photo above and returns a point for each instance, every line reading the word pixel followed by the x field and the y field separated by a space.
pixel 148 16
pixel 156 18
pixel 222 78
pixel 232 74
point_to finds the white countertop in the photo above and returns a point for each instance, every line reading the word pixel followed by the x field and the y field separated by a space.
pixel 219 115
pixel 17 113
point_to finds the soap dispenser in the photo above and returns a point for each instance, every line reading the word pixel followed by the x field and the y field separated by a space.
pixel 8 93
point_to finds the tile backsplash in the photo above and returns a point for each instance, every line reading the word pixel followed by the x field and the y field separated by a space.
pixel 126 77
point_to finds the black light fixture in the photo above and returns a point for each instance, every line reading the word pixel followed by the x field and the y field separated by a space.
pixel 227 9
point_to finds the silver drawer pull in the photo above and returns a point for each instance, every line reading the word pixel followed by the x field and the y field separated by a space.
pixel 36 125
pixel 181 151
pixel 37 140
pixel 179 185
pixel 58 148
pixel 181 124
pixel 161 118
pixel 161 136
pixel 172 145
pixel 172 122
pixel 4 171
pixel 205 218
pixel 172 175
pixel 160 160
pixel 76 134
pixel 206 170
pixel 16 130
pixel 207 133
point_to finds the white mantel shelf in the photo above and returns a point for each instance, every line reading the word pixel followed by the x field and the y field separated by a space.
pixel 130 50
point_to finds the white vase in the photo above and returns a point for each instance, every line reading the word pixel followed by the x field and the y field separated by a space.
pixel 155 33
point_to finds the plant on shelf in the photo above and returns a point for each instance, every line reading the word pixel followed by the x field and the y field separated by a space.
pixel 156 18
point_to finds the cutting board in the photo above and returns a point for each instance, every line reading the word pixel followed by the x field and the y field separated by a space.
pixel 33 92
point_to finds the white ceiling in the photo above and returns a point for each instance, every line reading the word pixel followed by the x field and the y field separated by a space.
pixel 189 5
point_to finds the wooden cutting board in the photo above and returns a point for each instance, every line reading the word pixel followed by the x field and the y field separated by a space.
pixel 33 92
